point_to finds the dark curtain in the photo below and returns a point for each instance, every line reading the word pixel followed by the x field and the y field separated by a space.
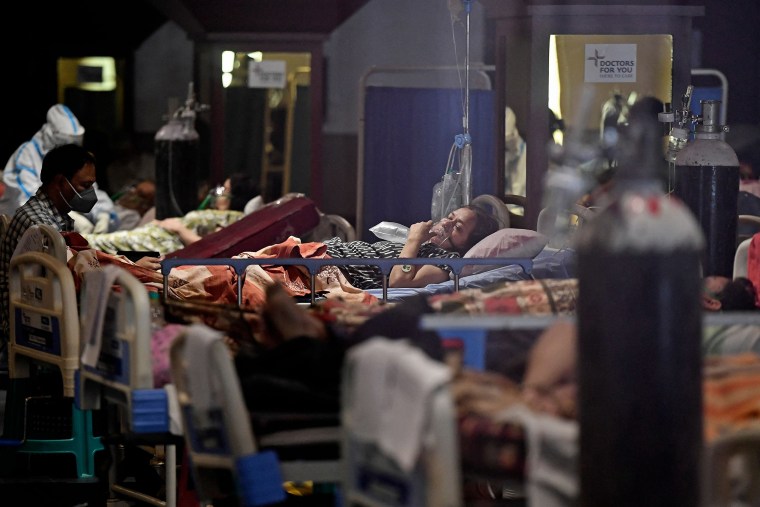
pixel 408 134
pixel 243 130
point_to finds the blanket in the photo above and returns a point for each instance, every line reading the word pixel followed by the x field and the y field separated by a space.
pixel 218 284
pixel 528 297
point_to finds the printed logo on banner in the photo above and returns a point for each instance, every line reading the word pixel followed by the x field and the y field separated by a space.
pixel 610 63
pixel 267 74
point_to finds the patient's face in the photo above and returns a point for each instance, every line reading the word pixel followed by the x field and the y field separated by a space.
pixel 464 221
pixel 711 287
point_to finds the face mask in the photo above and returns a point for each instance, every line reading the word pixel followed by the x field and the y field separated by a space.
pixel 442 230
pixel 83 202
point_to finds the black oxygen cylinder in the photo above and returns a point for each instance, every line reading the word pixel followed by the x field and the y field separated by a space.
pixel 639 331
pixel 707 179
pixel 177 151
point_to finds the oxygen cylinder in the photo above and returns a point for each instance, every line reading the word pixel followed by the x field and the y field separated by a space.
pixel 639 332
pixel 177 149
pixel 707 179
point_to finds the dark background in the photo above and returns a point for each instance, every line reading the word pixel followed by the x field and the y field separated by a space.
pixel 729 33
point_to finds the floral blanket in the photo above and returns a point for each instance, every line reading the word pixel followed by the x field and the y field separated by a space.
pixel 218 284
pixel 529 297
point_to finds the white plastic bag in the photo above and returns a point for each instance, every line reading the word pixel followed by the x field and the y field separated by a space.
pixel 390 231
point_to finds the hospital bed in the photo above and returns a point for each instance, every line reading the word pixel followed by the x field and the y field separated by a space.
pixel 116 374
pixel 229 462
pixel 41 413
pixel 400 440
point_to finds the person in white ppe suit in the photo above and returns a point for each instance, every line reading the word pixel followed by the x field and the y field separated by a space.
pixel 22 172
pixel 21 175
pixel 514 156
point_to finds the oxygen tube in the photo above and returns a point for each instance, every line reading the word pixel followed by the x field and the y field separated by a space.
pixel 455 188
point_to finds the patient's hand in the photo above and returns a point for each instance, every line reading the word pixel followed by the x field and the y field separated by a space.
pixel 483 393
pixel 171 224
pixel 420 232
pixel 550 382
pixel 175 225
pixel 153 263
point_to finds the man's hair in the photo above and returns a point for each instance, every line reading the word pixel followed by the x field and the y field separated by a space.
pixel 66 159
pixel 738 294
pixel 485 225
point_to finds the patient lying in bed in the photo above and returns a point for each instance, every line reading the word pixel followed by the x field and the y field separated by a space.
pixel 164 236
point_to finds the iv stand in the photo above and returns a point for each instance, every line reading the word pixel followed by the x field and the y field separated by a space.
pixel 455 189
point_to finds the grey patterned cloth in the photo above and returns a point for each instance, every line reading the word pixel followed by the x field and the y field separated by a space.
pixel 370 277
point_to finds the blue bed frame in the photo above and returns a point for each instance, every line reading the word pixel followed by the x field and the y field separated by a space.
pixel 314 265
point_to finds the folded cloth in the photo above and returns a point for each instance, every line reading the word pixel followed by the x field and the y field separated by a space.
pixel 203 384
pixel 390 396
pixel 95 292
pixel 552 464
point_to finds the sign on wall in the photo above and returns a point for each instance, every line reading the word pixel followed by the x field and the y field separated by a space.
pixel 267 74
pixel 610 63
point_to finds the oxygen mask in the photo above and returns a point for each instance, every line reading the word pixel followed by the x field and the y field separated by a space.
pixel 442 230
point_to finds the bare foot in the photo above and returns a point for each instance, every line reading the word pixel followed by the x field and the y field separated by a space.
pixel 284 319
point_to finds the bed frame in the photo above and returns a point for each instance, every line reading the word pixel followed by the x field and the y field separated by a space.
pixel 116 371
pixel 314 265
pixel 226 457
pixel 45 331
pixel 373 477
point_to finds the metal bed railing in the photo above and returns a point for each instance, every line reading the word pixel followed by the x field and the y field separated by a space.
pixel 313 266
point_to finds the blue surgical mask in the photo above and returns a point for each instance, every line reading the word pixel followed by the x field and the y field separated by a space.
pixel 83 202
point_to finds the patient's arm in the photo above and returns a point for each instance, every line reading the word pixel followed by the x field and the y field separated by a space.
pixel 550 382
pixel 417 276
pixel 153 263
pixel 175 225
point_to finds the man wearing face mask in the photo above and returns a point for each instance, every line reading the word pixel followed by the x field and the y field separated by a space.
pixel 68 179
pixel 21 176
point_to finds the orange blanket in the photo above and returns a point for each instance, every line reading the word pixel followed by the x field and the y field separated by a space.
pixel 218 284
pixel 753 264
pixel 731 394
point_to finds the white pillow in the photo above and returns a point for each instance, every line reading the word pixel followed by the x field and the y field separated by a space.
pixel 505 243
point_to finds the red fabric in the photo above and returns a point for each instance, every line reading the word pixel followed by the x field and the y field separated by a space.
pixel 753 265
pixel 75 241
pixel 274 223
pixel 218 284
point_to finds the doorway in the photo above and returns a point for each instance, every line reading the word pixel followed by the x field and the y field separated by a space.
pixel 267 103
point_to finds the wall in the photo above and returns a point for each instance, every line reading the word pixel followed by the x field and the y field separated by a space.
pixel 163 70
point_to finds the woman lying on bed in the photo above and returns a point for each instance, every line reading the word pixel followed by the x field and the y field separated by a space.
pixel 463 228
pixel 450 237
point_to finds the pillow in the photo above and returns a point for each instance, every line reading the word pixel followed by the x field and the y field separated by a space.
pixel 505 243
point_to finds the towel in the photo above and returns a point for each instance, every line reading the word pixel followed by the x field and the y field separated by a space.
pixel 552 464
pixel 203 384
pixel 95 292
pixel 390 396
